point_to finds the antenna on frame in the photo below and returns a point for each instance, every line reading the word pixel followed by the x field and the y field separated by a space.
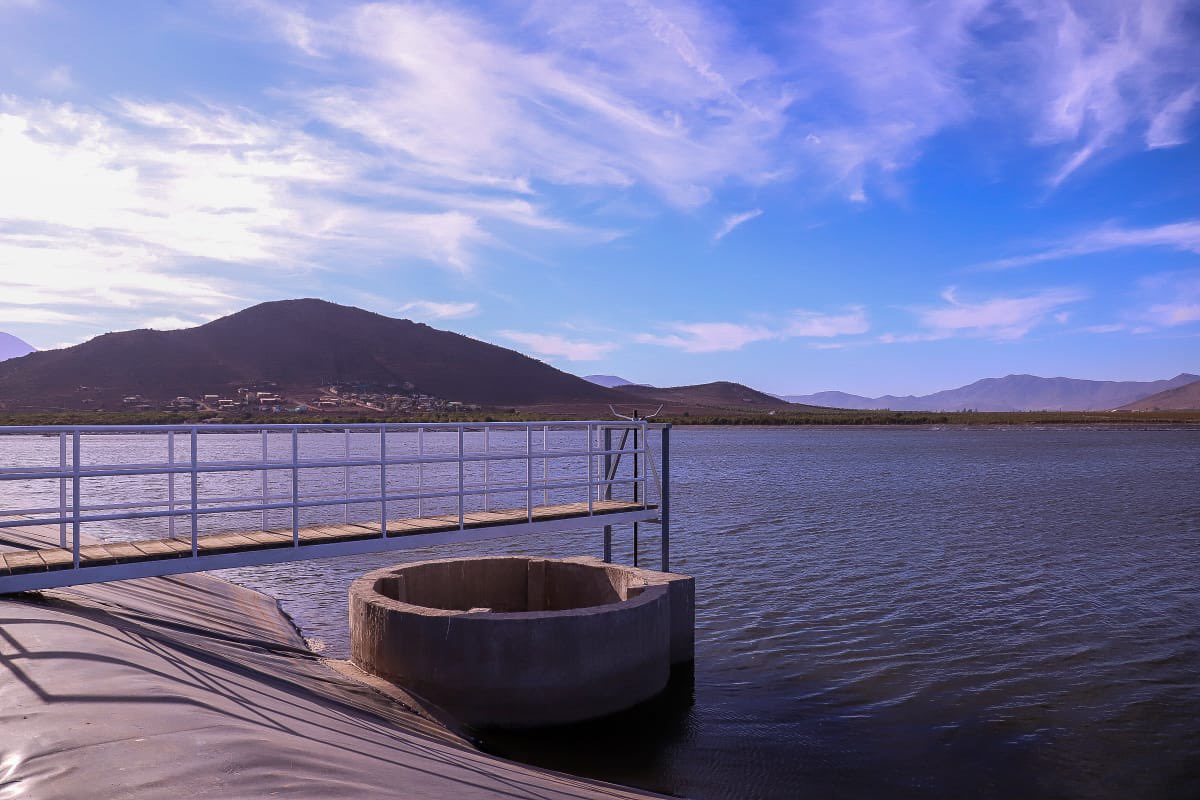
pixel 635 417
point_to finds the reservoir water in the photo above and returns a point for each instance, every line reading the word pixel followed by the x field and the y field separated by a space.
pixel 890 612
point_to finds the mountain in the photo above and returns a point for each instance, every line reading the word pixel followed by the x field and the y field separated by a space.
pixel 12 347
pixel 720 394
pixel 1184 397
pixel 610 381
pixel 1010 393
pixel 298 344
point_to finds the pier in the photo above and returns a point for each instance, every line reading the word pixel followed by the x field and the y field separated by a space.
pixel 139 501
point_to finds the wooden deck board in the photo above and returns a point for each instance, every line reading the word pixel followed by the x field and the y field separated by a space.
pixel 39 560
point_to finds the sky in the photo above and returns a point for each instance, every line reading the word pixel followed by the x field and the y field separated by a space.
pixel 874 197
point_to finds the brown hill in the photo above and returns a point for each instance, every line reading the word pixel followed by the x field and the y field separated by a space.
pixel 298 344
pixel 719 394
pixel 1181 398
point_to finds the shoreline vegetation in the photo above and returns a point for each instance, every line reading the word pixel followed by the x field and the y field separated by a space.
pixel 731 417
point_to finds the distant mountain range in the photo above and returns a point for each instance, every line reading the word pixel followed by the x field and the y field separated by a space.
pixel 719 394
pixel 12 347
pixel 1010 393
pixel 296 347
pixel 610 381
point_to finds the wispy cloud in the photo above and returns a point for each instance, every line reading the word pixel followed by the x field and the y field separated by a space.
pixel 733 220
pixel 1106 70
pixel 431 309
pixel 600 94
pixel 1180 236
pixel 18 315
pixel 706 337
pixel 170 323
pixel 888 77
pixel 1085 78
pixel 1168 127
pixel 554 345
pixel 1005 318
pixel 1173 299
pixel 811 324
pixel 712 337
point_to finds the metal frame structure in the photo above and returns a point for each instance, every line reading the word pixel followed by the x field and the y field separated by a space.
pixel 72 471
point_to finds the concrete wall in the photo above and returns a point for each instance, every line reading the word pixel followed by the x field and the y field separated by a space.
pixel 563 640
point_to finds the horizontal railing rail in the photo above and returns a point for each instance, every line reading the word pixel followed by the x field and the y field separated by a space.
pixel 445 469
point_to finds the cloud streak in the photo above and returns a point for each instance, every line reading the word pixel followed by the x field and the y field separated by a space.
pixel 431 309
pixel 1004 318
pixel 734 220
pixel 715 337
pixel 554 345
pixel 1179 236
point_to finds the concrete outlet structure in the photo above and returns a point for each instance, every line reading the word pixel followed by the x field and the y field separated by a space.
pixel 519 642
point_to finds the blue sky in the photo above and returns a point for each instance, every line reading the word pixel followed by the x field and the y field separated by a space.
pixel 873 197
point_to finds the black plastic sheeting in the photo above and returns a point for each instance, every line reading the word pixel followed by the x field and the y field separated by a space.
pixel 190 686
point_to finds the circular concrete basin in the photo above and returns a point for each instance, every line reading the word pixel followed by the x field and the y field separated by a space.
pixel 517 642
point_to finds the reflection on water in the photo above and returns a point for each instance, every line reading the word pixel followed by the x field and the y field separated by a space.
pixel 887 612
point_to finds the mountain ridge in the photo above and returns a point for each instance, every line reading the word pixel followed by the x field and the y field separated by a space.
pixel 1179 398
pixel 298 344
pixel 1017 392
pixel 13 347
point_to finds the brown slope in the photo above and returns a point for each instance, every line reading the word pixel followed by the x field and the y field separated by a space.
pixel 1180 398
pixel 719 394
pixel 299 344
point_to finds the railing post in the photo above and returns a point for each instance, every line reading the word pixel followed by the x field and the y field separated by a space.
pixel 195 501
pixel 487 454
pixel 545 466
pixel 171 484
pixel 664 508
pixel 529 472
pixel 383 481
pixel 635 489
pixel 346 479
pixel 591 433
pixel 265 477
pixel 462 519
pixel 62 490
pixel 420 471
pixel 295 487
pixel 608 491
pixel 75 499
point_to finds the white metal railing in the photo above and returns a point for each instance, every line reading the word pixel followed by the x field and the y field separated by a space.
pixel 467 468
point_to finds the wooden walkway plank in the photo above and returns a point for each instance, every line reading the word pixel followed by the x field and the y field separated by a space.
pixel 56 558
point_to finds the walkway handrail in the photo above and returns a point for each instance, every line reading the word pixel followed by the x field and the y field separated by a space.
pixel 400 448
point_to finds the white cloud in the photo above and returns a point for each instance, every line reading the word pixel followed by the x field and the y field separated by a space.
pixel 604 94
pixel 998 318
pixel 431 309
pixel 886 76
pixel 171 322
pixel 555 345
pixel 733 220
pixel 1172 299
pixel 881 79
pixel 712 337
pixel 1105 69
pixel 1167 128
pixel 809 323
pixel 707 337
pixel 18 315
pixel 1181 236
